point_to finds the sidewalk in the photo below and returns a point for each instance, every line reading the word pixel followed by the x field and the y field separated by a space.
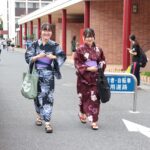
pixel 110 68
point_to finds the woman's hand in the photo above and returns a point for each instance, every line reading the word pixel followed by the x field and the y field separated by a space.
pixel 41 55
pixel 92 69
pixel 131 51
pixel 38 56
pixel 51 56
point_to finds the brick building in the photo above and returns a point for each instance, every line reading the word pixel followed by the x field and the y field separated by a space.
pixel 113 21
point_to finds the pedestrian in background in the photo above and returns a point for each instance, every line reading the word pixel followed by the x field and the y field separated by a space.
pixel 88 58
pixel 1 47
pixel 12 44
pixel 8 44
pixel 4 43
pixel 73 45
pixel 28 43
pixel 48 57
pixel 135 52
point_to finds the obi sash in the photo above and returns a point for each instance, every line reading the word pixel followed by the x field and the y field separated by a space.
pixel 91 63
pixel 43 62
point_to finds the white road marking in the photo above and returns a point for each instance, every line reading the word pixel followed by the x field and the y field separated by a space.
pixel 134 127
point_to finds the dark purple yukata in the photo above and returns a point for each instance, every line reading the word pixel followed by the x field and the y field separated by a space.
pixel 86 80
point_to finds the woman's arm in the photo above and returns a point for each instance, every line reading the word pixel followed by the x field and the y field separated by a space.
pixel 102 62
pixel 59 55
pixel 30 54
pixel 79 62
pixel 131 51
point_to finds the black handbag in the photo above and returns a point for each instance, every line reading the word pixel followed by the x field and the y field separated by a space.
pixel 103 87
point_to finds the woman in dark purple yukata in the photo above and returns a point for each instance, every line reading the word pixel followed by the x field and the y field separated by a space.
pixel 88 59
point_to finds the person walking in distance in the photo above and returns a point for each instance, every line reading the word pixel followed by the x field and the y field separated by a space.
pixel 48 57
pixel 73 45
pixel 88 58
pixel 135 53
pixel 13 44
pixel 1 48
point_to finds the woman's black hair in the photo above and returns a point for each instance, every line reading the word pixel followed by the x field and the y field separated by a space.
pixel 132 37
pixel 74 38
pixel 47 27
pixel 88 32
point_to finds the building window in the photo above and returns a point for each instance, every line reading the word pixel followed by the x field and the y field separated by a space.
pixel 17 5
pixel 20 5
pixel 33 5
pixel 44 4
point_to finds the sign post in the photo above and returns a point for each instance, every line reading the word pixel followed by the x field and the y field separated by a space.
pixel 123 83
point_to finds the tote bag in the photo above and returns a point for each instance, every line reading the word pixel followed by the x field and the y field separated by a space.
pixel 29 84
pixel 103 87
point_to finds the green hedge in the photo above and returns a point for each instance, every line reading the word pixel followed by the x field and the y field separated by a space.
pixel 146 74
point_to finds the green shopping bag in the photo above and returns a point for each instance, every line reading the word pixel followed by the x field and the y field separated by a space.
pixel 29 84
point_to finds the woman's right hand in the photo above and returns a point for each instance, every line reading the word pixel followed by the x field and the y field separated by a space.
pixel 92 69
pixel 41 55
pixel 38 56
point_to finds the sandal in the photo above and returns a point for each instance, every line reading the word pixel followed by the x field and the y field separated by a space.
pixel 48 128
pixel 38 121
pixel 94 126
pixel 82 117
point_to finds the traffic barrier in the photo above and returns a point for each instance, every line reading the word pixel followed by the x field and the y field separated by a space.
pixel 123 83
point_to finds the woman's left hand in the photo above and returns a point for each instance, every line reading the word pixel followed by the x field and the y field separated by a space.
pixel 51 56
pixel 92 69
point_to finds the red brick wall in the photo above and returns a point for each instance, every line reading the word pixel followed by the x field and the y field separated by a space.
pixel 108 28
pixel 106 18
pixel 72 29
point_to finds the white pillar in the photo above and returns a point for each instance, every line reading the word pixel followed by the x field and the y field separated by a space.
pixel 40 4
pixel 11 18
pixel 26 7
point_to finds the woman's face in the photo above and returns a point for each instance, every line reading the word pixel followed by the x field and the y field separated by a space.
pixel 46 35
pixel 88 40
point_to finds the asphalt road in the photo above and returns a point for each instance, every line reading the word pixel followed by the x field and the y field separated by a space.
pixel 17 115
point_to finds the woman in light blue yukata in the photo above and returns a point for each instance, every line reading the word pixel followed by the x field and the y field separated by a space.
pixel 48 57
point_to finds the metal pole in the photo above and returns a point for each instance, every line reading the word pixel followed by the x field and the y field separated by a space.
pixel 135 101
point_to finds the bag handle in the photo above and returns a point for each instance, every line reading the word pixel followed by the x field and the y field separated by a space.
pixel 31 69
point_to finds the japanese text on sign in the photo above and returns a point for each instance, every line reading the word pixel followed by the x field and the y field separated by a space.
pixel 121 83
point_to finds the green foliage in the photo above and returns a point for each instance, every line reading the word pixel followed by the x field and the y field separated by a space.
pixel 18 46
pixel 146 74
pixel 1 26
pixel 29 36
